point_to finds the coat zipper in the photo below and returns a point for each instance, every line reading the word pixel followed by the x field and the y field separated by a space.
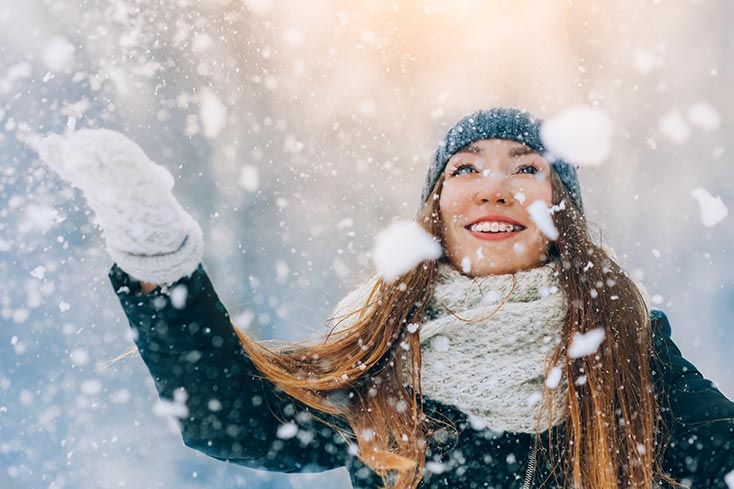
pixel 531 468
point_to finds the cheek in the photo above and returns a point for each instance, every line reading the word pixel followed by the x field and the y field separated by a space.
pixel 449 205
pixel 540 190
pixel 537 242
pixel 448 220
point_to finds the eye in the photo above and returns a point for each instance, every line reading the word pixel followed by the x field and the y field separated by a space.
pixel 531 169
pixel 459 170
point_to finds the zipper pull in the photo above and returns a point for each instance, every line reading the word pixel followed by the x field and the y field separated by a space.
pixel 531 467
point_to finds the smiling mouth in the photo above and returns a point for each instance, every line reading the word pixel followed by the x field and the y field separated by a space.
pixel 495 228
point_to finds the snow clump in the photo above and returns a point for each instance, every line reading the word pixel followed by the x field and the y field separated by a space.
pixel 729 479
pixel 585 344
pixel 213 113
pixel 704 116
pixel 57 54
pixel 674 127
pixel 554 378
pixel 466 264
pixel 176 408
pixel 249 178
pixel 287 431
pixel 401 247
pixel 713 210
pixel 580 135
pixel 259 7
pixel 178 296
pixel 540 214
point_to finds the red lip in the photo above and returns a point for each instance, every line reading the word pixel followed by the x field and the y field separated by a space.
pixel 495 219
pixel 494 236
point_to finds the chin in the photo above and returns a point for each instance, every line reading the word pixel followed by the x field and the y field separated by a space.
pixel 501 270
pixel 501 267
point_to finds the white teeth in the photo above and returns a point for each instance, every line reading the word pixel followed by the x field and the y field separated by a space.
pixel 494 227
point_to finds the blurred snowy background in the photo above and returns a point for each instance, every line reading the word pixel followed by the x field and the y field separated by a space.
pixel 299 130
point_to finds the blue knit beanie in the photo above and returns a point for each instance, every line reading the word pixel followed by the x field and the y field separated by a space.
pixel 498 123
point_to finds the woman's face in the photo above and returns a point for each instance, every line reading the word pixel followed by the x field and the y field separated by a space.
pixel 487 188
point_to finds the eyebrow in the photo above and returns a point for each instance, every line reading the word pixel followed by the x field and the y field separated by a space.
pixel 522 150
pixel 514 152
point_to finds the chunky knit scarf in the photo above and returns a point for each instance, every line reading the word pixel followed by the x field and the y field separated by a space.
pixel 484 343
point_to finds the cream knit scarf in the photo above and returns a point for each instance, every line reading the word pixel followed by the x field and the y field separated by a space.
pixel 487 356
pixel 484 344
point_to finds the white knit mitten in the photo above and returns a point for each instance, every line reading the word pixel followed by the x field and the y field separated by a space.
pixel 146 231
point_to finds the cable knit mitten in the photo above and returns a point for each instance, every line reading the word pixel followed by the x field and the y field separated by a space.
pixel 146 231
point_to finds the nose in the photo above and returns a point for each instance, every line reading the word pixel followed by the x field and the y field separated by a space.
pixel 493 189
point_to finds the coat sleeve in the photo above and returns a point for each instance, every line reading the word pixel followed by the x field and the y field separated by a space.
pixel 699 418
pixel 225 407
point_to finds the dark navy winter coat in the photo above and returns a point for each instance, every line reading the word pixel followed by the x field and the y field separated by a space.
pixel 237 416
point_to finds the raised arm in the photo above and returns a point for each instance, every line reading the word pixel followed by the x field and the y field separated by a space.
pixel 699 418
pixel 189 345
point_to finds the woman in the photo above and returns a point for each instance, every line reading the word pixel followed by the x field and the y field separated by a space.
pixel 524 357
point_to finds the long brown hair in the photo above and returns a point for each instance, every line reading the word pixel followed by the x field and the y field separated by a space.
pixel 612 428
